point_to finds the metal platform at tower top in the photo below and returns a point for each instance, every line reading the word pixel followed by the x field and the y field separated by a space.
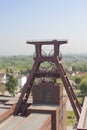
pixel 56 59
pixel 48 42
pixel 39 44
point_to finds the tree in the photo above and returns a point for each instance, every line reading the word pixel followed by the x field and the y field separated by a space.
pixel 2 88
pixel 11 85
pixel 77 79
pixel 83 86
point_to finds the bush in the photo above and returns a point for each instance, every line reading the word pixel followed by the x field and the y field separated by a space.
pixel 71 119
pixel 83 86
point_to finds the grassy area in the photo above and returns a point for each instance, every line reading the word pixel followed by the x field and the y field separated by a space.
pixel 79 96
pixel 80 99
pixel 77 91
pixel 71 119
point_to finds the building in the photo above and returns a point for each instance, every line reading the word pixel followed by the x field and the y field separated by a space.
pixel 3 78
pixel 48 99
pixel 21 80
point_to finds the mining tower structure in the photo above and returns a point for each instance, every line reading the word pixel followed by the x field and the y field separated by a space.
pixel 47 91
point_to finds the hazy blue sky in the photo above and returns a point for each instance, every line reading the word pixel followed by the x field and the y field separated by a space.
pixel 22 20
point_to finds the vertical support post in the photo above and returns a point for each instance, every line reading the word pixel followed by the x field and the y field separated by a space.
pixel 56 50
pixel 38 50
pixel 26 89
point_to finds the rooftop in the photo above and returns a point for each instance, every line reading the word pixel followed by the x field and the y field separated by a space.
pixel 82 124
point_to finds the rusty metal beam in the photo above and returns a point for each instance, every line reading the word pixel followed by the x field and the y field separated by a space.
pixel 49 42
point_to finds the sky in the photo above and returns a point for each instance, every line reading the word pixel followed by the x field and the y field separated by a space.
pixel 24 20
